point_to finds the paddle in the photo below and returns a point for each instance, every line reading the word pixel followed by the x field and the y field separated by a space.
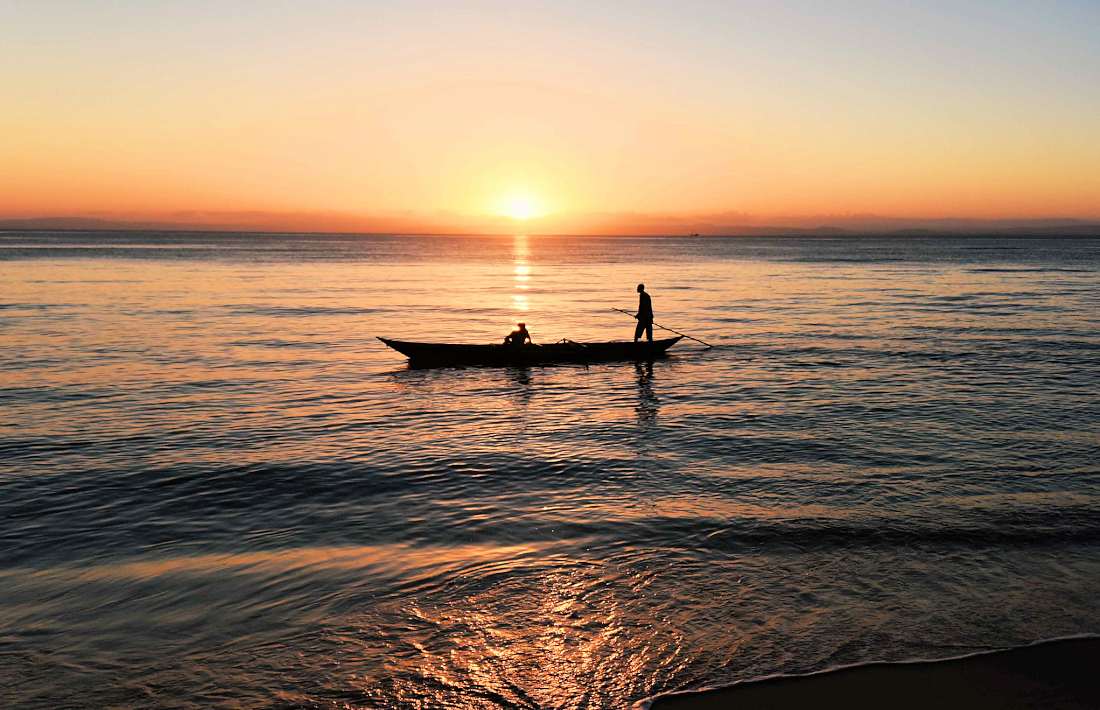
pixel 682 335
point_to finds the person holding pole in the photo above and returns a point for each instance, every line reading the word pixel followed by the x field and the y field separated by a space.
pixel 645 315
pixel 645 319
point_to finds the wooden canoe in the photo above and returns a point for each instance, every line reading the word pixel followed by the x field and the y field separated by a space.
pixel 450 354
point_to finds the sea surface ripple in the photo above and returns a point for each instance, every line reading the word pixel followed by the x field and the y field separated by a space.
pixel 219 490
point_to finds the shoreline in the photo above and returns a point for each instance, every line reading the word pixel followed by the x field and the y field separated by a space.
pixel 1056 674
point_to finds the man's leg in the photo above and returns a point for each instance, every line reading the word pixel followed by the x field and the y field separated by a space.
pixel 649 331
pixel 638 331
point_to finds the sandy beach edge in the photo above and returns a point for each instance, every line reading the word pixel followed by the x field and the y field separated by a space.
pixel 1053 673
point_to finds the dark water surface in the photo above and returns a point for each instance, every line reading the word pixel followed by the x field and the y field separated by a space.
pixel 218 490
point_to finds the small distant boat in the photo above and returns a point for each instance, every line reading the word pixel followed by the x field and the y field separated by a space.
pixel 566 351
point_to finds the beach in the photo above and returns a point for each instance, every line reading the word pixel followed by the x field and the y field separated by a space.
pixel 1057 675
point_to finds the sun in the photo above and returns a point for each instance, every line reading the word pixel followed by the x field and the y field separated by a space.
pixel 519 208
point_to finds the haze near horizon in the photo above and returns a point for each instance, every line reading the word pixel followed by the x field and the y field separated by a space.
pixel 549 117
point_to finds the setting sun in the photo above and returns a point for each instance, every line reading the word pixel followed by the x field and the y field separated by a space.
pixel 519 208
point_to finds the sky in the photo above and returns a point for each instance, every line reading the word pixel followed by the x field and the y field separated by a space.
pixel 548 116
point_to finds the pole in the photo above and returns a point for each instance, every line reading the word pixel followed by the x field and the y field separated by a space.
pixel 682 335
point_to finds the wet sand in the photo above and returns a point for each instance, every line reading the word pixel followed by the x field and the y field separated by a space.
pixel 1061 674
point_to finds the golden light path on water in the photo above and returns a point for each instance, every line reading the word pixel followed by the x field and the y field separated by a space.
pixel 219 490
pixel 521 253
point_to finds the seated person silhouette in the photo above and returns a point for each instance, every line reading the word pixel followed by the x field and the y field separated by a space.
pixel 519 335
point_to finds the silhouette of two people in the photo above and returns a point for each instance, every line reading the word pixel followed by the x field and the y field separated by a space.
pixel 519 335
pixel 645 315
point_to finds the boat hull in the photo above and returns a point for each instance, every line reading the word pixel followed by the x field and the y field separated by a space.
pixel 453 354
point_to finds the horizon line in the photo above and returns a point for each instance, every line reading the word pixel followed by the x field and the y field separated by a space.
pixel 854 224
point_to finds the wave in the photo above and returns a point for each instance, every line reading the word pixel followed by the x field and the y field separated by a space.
pixel 494 500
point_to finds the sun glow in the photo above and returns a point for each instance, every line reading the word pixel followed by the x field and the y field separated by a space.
pixel 519 208
pixel 610 120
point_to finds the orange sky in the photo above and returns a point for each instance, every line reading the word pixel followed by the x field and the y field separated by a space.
pixel 580 117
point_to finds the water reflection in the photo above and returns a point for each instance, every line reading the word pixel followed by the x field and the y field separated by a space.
pixel 521 377
pixel 522 272
pixel 647 398
pixel 869 433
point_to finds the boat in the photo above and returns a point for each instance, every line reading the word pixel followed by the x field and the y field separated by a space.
pixel 565 351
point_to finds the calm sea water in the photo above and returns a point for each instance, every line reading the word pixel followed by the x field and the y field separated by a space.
pixel 219 490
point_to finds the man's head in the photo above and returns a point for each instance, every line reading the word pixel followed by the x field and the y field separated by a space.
pixel 520 325
pixel 641 287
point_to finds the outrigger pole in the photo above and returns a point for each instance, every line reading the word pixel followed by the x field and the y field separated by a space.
pixel 683 335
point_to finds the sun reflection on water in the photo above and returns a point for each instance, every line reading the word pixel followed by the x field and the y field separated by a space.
pixel 522 271
pixel 222 491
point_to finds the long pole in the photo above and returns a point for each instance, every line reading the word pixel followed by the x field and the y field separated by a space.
pixel 682 335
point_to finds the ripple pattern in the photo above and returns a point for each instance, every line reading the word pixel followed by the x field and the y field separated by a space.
pixel 219 490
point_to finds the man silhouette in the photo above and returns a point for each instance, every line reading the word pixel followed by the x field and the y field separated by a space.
pixel 645 315
pixel 519 335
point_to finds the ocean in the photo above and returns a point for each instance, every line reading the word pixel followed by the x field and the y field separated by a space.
pixel 218 489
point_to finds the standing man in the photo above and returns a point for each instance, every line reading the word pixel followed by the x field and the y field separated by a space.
pixel 645 315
